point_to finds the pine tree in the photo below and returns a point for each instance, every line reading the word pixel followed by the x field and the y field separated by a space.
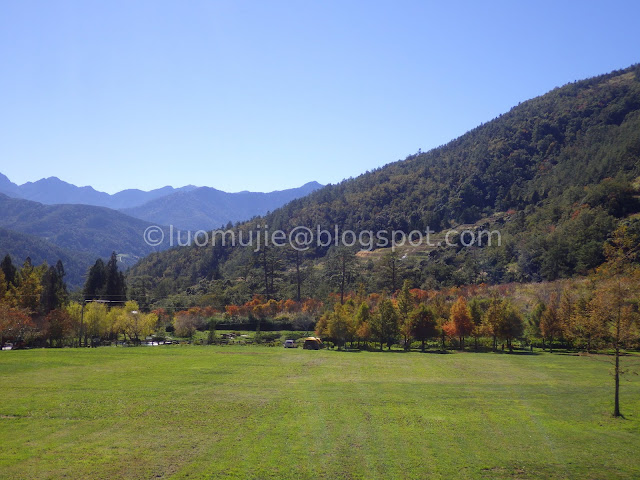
pixel 54 290
pixel 9 271
pixel 95 283
pixel 115 286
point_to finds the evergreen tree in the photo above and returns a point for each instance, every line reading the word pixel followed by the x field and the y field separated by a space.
pixel 94 285
pixel 341 269
pixel 9 270
pixel 115 286
pixel 54 290
pixel 3 286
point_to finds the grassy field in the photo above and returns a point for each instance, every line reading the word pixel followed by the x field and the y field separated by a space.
pixel 258 412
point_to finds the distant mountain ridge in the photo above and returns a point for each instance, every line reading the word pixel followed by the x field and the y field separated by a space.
pixel 206 208
pixel 53 191
pixel 51 220
pixel 187 208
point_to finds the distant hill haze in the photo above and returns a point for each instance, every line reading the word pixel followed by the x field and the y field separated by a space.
pixel 51 220
pixel 52 191
pixel 186 208
pixel 206 208
pixel 77 228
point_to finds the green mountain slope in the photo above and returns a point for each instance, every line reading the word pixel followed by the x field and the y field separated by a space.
pixel 576 135
pixel 20 246
pixel 97 231
pixel 555 174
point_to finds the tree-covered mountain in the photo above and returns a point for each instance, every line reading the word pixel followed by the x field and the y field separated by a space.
pixel 207 208
pixel 21 245
pixel 556 175
pixel 98 231
pixel 573 136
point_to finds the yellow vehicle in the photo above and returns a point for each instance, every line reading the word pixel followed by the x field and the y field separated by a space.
pixel 312 343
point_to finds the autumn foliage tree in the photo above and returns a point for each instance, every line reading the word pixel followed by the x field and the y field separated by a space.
pixel 459 324
pixel 362 321
pixel 15 323
pixel 613 302
pixel 551 323
pixel 384 325
pixel 493 317
pixel 477 308
pixel 406 303
pixel 59 326
pixel 134 323
pixel 423 324
pixel 339 325
pixel 511 325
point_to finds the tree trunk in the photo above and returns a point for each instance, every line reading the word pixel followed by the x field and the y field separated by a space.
pixel 344 273
pixel 266 273
pixel 616 403
pixel 298 280
pixel 422 346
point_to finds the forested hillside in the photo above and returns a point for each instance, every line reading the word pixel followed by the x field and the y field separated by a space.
pixel 19 246
pixel 85 230
pixel 556 175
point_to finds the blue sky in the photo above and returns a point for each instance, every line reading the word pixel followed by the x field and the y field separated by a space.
pixel 269 95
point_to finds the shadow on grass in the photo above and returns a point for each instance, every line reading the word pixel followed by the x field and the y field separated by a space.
pixel 515 352
pixel 437 352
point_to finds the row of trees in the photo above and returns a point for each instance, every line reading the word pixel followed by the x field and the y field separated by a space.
pixel 76 324
pixel 418 315
pixel 29 296
pixel 34 301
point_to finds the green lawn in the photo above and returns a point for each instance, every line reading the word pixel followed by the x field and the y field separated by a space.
pixel 259 412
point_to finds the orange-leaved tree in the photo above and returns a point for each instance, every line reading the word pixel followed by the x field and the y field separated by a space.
pixel 459 324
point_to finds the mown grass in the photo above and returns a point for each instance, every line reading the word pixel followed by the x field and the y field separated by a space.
pixel 256 412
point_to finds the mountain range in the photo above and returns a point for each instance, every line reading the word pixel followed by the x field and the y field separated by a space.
pixel 557 174
pixel 186 208
pixel 55 220
pixel 52 191
pixel 206 208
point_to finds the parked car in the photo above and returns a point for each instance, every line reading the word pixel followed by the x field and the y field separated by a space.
pixel 289 344
pixel 312 343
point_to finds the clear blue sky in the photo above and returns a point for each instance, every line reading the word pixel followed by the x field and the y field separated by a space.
pixel 267 95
